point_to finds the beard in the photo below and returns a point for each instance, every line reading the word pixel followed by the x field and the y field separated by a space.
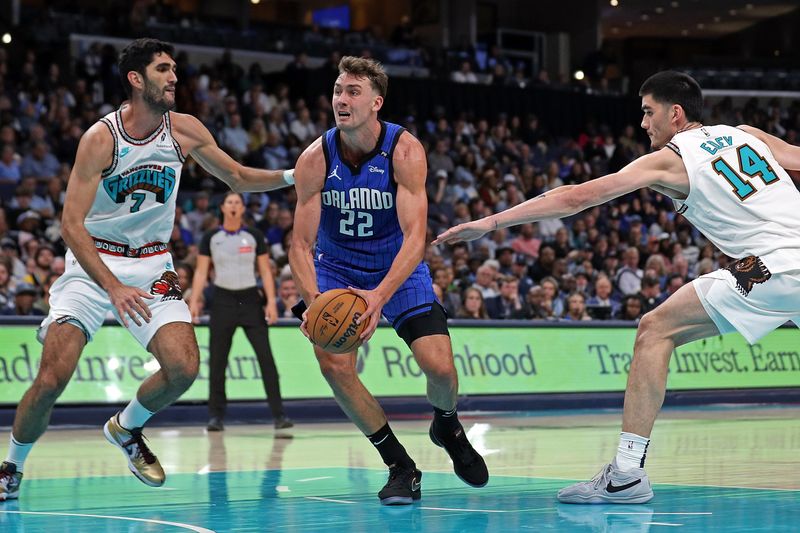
pixel 154 97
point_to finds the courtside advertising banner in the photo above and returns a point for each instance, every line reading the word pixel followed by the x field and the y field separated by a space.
pixel 489 360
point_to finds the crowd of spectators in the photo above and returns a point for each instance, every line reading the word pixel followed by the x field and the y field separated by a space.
pixel 615 261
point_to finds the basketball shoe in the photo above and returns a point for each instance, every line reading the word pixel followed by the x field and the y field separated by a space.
pixel 467 463
pixel 610 485
pixel 9 481
pixel 141 461
pixel 403 487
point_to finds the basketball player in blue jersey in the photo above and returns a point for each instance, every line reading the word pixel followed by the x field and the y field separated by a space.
pixel 361 198
pixel 118 215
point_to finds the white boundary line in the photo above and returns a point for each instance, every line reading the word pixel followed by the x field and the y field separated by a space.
pixel 198 529
pixel 319 498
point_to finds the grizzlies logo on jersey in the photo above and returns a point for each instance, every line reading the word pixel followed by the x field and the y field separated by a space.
pixel 157 179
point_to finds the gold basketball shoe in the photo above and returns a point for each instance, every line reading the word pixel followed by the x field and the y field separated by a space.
pixel 141 461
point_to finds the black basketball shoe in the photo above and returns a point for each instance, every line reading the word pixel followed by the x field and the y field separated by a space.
pixel 467 463
pixel 403 486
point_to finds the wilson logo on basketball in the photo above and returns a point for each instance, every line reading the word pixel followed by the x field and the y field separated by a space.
pixel 349 332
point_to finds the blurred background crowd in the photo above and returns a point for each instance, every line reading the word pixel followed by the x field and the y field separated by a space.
pixel 615 261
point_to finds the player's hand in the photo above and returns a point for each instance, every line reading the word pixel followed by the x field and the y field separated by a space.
pixel 372 315
pixel 196 309
pixel 271 313
pixel 128 302
pixel 304 326
pixel 468 231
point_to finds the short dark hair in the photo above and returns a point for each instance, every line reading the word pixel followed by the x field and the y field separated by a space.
pixel 672 87
pixel 362 67
pixel 137 55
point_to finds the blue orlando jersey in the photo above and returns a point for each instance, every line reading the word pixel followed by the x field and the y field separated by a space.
pixel 359 224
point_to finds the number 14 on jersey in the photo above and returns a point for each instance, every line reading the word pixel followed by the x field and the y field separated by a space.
pixel 751 165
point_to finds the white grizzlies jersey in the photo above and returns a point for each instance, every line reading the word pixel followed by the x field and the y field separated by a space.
pixel 739 196
pixel 135 201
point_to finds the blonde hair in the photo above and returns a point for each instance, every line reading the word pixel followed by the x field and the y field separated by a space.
pixel 362 67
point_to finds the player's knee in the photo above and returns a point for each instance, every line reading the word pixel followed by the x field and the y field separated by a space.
pixel 183 370
pixel 442 374
pixel 335 368
pixel 50 385
pixel 649 328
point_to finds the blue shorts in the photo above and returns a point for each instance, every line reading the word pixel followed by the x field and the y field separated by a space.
pixel 414 297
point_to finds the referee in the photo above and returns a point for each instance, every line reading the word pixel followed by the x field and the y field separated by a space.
pixel 236 250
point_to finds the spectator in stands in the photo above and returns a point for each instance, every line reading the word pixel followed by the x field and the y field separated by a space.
pixel 539 306
pixel 276 155
pixel 10 172
pixel 40 163
pixel 507 304
pixel 631 308
pixel 545 264
pixel 505 257
pixel 450 297
pixel 256 135
pixel 298 64
pixel 485 281
pixel 603 299
pixel 287 296
pixel 576 308
pixel 42 304
pixel 185 276
pixel 464 74
pixel 674 282
pixel 234 138
pixel 195 217
pixel 25 295
pixel 629 276
pixel 473 306
pixel 651 293
pixel 6 286
pixel 551 292
pixel 527 243
pixel 42 261
pixel 303 127
pixel 10 249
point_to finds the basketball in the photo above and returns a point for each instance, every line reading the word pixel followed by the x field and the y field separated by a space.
pixel 332 320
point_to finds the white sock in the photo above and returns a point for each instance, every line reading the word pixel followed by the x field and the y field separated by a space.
pixel 18 452
pixel 632 451
pixel 135 415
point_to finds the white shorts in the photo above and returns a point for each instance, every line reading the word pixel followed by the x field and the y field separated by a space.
pixel 752 309
pixel 76 298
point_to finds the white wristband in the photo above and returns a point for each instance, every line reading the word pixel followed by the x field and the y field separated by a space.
pixel 288 176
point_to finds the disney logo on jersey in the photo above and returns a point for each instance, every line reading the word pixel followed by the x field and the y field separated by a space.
pixel 358 198
pixel 374 169
pixel 158 179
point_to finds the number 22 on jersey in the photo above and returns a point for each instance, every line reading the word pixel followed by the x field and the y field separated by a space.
pixel 751 165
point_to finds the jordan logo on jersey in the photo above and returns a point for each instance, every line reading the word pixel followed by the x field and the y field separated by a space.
pixel 154 178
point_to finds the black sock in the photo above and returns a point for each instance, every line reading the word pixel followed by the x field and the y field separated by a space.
pixel 446 420
pixel 392 452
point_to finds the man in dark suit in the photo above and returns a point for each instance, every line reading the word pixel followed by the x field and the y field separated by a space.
pixel 508 304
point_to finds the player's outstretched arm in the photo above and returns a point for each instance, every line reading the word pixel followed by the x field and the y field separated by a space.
pixel 662 168
pixel 94 155
pixel 195 140
pixel 787 155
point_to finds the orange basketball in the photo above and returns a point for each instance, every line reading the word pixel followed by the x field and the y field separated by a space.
pixel 332 320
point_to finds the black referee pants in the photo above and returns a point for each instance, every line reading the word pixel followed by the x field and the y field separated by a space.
pixel 229 310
